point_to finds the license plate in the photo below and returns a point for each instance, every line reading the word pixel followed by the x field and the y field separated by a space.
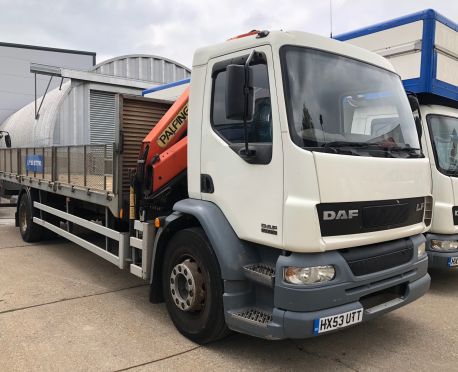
pixel 333 322
pixel 452 261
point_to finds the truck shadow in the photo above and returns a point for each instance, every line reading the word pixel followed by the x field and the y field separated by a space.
pixel 444 281
pixel 394 341
pixel 383 343
pixel 378 343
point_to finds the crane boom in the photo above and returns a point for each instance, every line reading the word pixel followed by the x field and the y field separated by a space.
pixel 164 149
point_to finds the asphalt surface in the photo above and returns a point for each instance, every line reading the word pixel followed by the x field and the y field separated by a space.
pixel 63 308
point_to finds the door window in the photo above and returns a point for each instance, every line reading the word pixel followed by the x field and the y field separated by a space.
pixel 260 127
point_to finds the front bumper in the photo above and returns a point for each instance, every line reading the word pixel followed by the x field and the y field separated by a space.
pixel 438 259
pixel 295 308
pixel 301 324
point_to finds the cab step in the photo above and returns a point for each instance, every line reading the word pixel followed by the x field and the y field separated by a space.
pixel 260 273
pixel 254 316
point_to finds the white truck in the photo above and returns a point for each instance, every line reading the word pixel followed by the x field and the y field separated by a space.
pixel 262 204
pixel 423 48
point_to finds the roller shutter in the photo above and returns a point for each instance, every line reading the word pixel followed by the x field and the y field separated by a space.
pixel 138 116
pixel 102 116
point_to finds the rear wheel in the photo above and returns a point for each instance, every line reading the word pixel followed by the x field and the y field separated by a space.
pixel 30 231
pixel 192 287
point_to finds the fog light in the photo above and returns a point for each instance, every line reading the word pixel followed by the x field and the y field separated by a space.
pixel 421 250
pixel 309 275
pixel 444 245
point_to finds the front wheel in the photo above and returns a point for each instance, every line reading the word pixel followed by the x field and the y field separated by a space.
pixel 192 287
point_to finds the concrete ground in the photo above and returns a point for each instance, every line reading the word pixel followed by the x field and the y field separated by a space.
pixel 63 308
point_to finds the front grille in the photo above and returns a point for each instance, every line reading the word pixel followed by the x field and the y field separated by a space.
pixel 385 215
pixel 368 216
pixel 378 257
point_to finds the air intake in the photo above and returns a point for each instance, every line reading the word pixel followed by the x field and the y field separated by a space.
pixel 378 257
pixel 428 210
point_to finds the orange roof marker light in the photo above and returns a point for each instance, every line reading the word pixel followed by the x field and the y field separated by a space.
pixel 259 34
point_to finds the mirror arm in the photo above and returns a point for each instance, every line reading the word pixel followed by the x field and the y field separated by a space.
pixel 246 93
pixel 415 106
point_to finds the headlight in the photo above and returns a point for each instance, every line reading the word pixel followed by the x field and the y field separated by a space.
pixel 309 275
pixel 421 250
pixel 444 245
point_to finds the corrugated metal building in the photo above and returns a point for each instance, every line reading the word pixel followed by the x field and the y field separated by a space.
pixel 143 67
pixel 86 109
pixel 16 81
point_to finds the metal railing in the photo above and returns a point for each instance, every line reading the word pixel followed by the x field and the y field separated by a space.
pixel 88 166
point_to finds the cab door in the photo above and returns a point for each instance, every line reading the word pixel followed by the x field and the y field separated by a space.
pixel 249 191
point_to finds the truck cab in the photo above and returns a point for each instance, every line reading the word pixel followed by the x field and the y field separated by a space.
pixel 423 49
pixel 327 213
pixel 440 125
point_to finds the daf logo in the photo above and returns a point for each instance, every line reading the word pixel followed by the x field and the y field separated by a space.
pixel 269 229
pixel 340 215
pixel 420 206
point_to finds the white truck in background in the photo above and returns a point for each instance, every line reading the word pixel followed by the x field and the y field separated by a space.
pixel 262 204
pixel 423 48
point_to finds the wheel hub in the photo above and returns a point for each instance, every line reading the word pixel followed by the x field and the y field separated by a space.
pixel 187 286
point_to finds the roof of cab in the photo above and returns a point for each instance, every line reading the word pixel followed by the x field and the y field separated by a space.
pixel 279 38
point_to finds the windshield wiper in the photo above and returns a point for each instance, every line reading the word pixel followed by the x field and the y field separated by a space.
pixel 388 148
pixel 412 151
pixel 452 170
pixel 336 144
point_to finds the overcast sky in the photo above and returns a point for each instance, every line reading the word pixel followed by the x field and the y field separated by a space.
pixel 174 28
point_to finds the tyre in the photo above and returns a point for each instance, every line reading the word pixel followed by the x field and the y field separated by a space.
pixel 193 288
pixel 30 231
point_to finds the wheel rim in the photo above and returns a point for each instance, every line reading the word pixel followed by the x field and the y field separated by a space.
pixel 23 217
pixel 187 286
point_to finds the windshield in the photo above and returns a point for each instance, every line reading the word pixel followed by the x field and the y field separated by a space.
pixel 443 131
pixel 337 103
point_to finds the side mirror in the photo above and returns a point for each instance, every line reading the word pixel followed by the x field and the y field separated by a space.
pixel 8 140
pixel 239 93
pixel 415 107
pixel 413 101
